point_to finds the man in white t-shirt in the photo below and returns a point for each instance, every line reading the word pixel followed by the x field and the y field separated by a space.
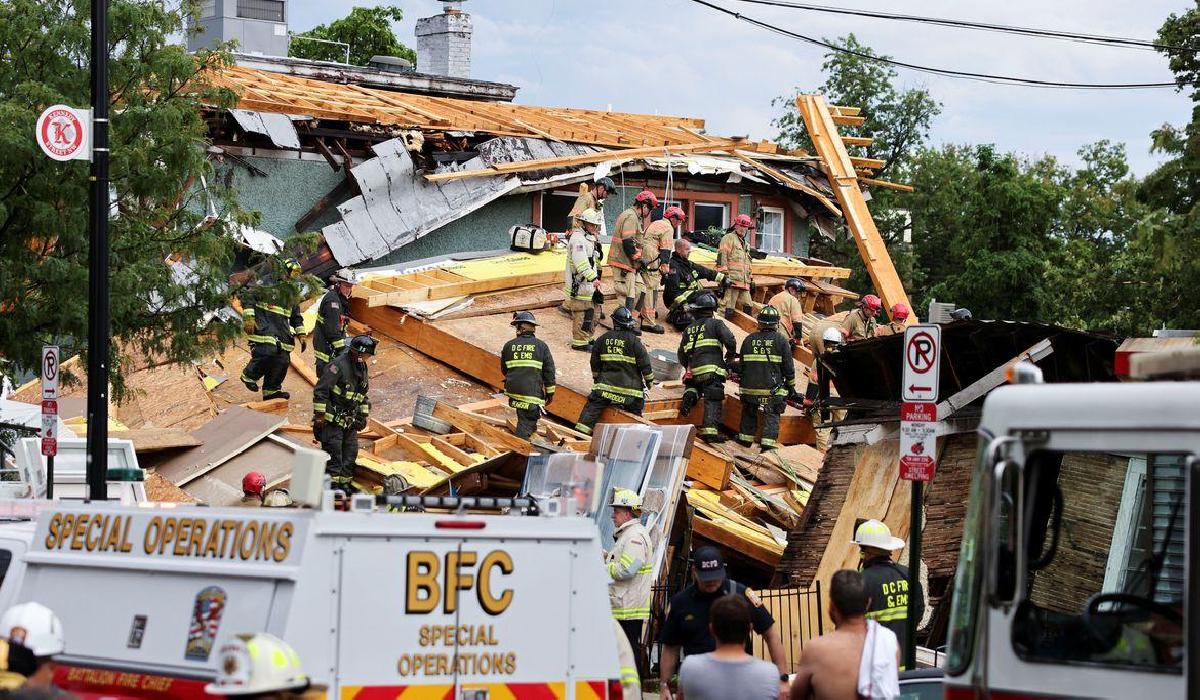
pixel 728 673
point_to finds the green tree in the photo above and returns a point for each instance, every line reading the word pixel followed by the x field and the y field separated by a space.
pixel 158 158
pixel 368 31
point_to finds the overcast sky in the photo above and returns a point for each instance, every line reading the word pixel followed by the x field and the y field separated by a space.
pixel 678 57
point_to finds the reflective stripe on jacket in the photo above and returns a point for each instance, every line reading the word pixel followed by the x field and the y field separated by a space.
pixel 274 325
pixel 580 278
pixel 329 335
pixel 620 364
pixel 625 251
pixel 630 569
pixel 656 243
pixel 767 365
pixel 341 392
pixel 705 348
pixel 528 369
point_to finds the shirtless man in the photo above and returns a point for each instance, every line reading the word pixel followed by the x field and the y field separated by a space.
pixel 829 667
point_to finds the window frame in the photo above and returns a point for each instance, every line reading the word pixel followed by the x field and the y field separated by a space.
pixel 726 210
pixel 783 230
pixel 282 10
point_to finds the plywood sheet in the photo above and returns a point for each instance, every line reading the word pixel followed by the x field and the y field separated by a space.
pixel 226 436
pixel 223 486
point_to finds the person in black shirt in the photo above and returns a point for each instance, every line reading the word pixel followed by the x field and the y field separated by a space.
pixel 687 628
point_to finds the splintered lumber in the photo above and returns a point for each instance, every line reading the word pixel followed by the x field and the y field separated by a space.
pixel 706 465
pixel 789 181
pixel 589 158
pixel 472 424
pixel 149 439
pixel 886 184
pixel 727 528
pixel 278 407
pixel 820 124
pixel 305 370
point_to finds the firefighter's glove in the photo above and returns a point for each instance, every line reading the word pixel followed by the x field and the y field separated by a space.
pixel 359 423
pixel 549 398
pixel 735 378
pixel 248 325
pixel 753 287
pixel 597 296
pixel 303 342
pixel 318 422
pixel 687 376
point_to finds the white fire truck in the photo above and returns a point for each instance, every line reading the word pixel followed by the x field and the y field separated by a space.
pixel 376 603
pixel 1075 575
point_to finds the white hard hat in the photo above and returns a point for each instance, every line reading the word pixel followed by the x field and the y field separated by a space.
pixel 874 533
pixel 35 627
pixel 278 498
pixel 590 216
pixel 624 498
pixel 257 663
pixel 833 335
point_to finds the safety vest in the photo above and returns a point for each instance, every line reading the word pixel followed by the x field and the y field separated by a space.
pixel 767 365
pixel 630 567
pixel 704 347
pixel 733 258
pixel 341 392
pixel 628 227
pixel 528 369
pixel 580 278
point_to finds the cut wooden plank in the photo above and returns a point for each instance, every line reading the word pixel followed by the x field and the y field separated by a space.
pixel 846 110
pixel 278 407
pixel 473 424
pixel 305 370
pixel 229 434
pixel 887 185
pixel 452 452
pixel 858 140
pixel 147 440
pixel 820 126
pixel 588 158
pixel 870 163
pixel 847 121
pixel 448 290
pixel 661 415
pixel 790 182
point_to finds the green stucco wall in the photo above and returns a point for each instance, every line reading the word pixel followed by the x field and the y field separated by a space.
pixel 290 189
pixel 482 229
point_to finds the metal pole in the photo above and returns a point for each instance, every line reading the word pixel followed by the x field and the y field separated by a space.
pixel 914 576
pixel 50 475
pixel 98 321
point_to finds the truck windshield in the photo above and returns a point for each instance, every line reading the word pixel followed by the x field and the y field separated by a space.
pixel 1104 582
pixel 969 575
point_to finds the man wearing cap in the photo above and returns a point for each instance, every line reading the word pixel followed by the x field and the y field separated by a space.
pixel 687 625
pixel 341 407
pixel 329 335
pixel 885 580
pixel 528 369
pixel 733 259
pixel 630 569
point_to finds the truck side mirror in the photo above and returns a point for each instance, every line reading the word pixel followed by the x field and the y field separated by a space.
pixel 1005 528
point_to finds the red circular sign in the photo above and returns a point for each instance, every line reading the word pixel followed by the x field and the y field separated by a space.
pixel 921 352
pixel 60 133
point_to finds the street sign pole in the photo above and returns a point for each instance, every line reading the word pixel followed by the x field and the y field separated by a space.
pixel 50 370
pixel 98 318
pixel 918 451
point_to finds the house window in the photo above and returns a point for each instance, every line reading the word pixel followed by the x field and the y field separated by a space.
pixel 270 10
pixel 770 231
pixel 208 8
pixel 711 215
pixel 556 208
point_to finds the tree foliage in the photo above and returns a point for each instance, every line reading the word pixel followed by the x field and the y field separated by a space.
pixel 368 31
pixel 158 158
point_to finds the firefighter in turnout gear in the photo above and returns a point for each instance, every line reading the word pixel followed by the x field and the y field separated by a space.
pixel 733 259
pixel 272 331
pixel 528 369
pixel 630 568
pixel 625 252
pixel 705 351
pixel 768 380
pixel 621 372
pixel 791 311
pixel 329 336
pixel 340 409
pixel 656 251
pixel 591 199
pixel 683 284
pixel 886 581
pixel 583 271
pixel 898 324
pixel 860 322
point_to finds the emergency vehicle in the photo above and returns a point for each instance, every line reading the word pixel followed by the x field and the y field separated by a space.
pixel 1075 573
pixel 376 603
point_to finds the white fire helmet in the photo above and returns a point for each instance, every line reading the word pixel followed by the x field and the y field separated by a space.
pixel 257 663
pixel 624 498
pixel 35 627
pixel 874 533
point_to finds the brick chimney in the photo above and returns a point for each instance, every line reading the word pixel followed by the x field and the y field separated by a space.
pixel 444 42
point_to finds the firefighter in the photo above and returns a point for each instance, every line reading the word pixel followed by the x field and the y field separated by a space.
pixel 625 255
pixel 886 581
pixel 261 666
pixel 253 484
pixel 630 569
pixel 31 635
pixel 767 380
pixel 824 337
pixel 705 365
pixel 656 251
pixel 733 259
pixel 860 322
pixel 682 284
pixel 899 315
pixel 621 372
pixel 583 271
pixel 329 336
pixel 791 311
pixel 272 331
pixel 528 369
pixel 593 199
pixel 341 407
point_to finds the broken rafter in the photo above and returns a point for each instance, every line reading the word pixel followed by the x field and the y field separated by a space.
pixel 789 181
pixel 587 159
pixel 885 183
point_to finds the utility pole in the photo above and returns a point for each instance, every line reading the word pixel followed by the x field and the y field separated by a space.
pixel 98 311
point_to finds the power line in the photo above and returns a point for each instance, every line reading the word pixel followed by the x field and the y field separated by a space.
pixel 946 72
pixel 1101 39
